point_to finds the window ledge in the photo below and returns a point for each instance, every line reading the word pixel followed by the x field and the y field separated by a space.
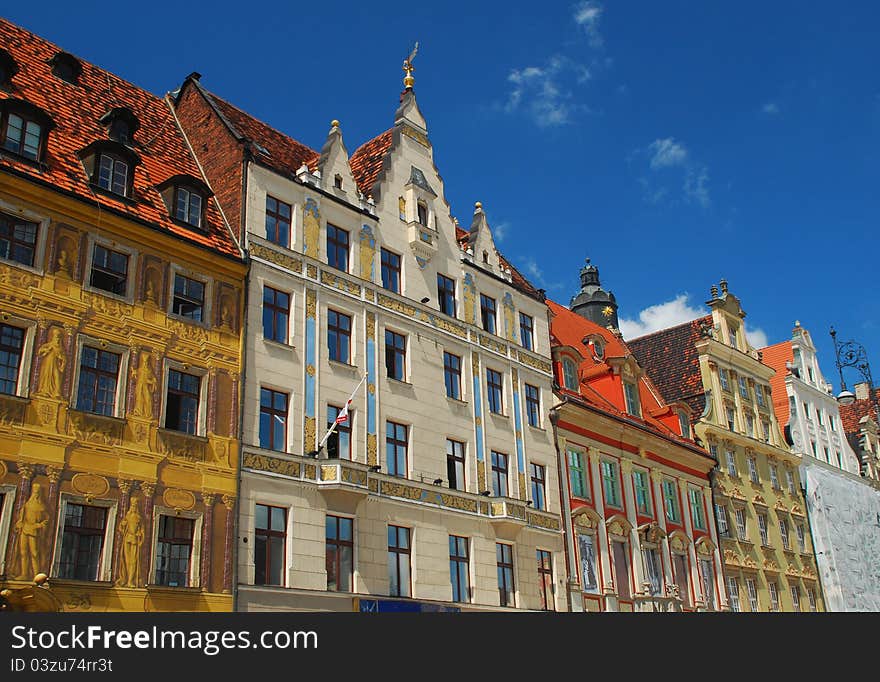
pixel 110 194
pixel 19 158
pixel 189 320
pixel 279 344
pixel 153 587
pixel 539 429
pixel 172 433
pixel 457 401
pixel 127 299
pixel 76 582
pixel 401 382
pixel 342 365
pixel 23 266
pixel 499 414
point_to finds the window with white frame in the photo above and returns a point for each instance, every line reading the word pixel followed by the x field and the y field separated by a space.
pixel 796 597
pixel 740 516
pixel 684 424
pixel 731 418
pixel 752 590
pixel 762 529
pixel 773 588
pixel 670 500
pixel 578 475
pixel 721 518
pixel 789 478
pixel 183 401
pixel 774 477
pixel 731 462
pixel 611 483
pixel 759 395
pixel 753 470
pixel 83 549
pixel 722 375
pixel 811 597
pixel 744 387
pixel 631 393
pixel 698 515
pixel 569 374
pixel 733 593
pixel 176 556
pixel 801 537
pixel 707 577
pixel 653 571
pixel 783 531
pixel 98 380
pixel 642 487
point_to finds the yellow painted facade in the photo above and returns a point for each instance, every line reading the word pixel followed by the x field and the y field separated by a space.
pixel 57 457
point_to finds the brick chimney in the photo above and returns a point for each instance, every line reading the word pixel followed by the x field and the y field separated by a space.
pixel 862 391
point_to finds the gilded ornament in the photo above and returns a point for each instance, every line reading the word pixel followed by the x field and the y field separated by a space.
pixel 311 227
pixel 372 455
pixel 90 485
pixel 131 532
pixel 310 472
pixel 401 208
pixel 179 499
pixel 311 303
pixel 285 261
pixel 371 325
pixel 53 363
pixel 3 470
pixel 309 430
pixel 469 292
pixel 312 271
pixel 367 252
pixel 481 475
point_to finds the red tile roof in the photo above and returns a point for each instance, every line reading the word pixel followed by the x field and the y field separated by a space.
pixel 599 386
pixel 76 110
pixel 285 155
pixel 519 281
pixel 851 414
pixel 671 360
pixel 776 356
pixel 366 162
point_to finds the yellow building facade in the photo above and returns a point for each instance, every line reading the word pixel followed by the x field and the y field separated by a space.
pixel 120 345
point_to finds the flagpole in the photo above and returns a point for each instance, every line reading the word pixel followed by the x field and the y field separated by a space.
pixel 333 426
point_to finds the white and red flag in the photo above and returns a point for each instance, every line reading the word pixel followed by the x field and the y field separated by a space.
pixel 342 417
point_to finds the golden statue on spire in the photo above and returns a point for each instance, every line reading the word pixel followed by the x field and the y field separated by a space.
pixel 408 68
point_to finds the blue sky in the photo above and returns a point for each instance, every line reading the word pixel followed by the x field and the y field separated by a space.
pixel 674 143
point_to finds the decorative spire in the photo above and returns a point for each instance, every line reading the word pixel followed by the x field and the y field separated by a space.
pixel 713 291
pixel 408 68
pixel 723 286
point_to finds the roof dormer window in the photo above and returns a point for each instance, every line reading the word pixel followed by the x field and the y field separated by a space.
pixel 8 68
pixel 186 198
pixel 23 129
pixel 121 124
pixel 66 67
pixel 110 166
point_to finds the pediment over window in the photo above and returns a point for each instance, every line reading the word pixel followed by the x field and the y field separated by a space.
pixel 678 541
pixel 585 517
pixel 618 525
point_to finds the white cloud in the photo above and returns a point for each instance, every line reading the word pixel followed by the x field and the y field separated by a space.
pixel 499 231
pixel 696 185
pixel 671 313
pixel 770 108
pixel 660 316
pixel 587 15
pixel 666 153
pixel 536 275
pixel 541 91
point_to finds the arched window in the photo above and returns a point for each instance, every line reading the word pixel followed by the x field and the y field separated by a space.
pixel 569 374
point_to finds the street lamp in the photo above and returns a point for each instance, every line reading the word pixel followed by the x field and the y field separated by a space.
pixel 851 354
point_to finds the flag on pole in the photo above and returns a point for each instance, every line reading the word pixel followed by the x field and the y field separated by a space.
pixel 342 417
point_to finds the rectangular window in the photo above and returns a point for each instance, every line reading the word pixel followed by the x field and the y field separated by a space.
pixel 670 501
pixel 399 566
pixel 731 463
pixel 750 426
pixel 762 528
pixel 189 298
pixel 270 541
pixel 722 375
pixel 499 474
pixel 113 174
pixel 783 531
pixel 277 221
pixel 586 545
pixel 459 569
pixel 446 295
pixel 174 550
pixel 721 518
pixel 653 572
pixel 774 477
pixel 18 239
pixel 390 271
pixel 707 577
pixel 533 405
pixel 395 355
pixel 22 137
pixel 188 207
pixel 98 378
pixel 765 430
pixel 339 557
pixel 504 561
pixel 395 449
pixel 455 464
pixel 731 419
pixel 759 395
pixel 539 491
pixel 526 331
pixel 753 470
pixel 811 596
pixel 682 578
pixel 339 442
pixel 744 387
pixel 698 516
pixel 339 336
pixel 789 478
pixel 620 555
pixel 577 475
pixel 611 483
pixel 82 542
pixel 631 392
pixel 819 417
pixel 642 486
pixel 494 391
pixel 452 375
pixel 774 595
pixel 422 213
pixel 684 424
pixel 337 248
pixel 545 578
pixel 740 516
pixel 801 537
pixel 182 402
pixel 733 593
pixel 109 270
pixel 273 420
pixel 752 590
pixel 796 597
pixel 276 315
pixel 11 345
pixel 487 313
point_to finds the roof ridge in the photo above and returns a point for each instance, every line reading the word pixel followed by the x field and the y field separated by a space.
pixel 371 140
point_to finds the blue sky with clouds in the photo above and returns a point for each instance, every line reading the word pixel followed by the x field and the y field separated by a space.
pixel 674 143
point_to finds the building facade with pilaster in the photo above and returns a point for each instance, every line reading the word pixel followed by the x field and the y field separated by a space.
pixel 120 335
pixel 438 490
pixel 766 545
pixel 639 529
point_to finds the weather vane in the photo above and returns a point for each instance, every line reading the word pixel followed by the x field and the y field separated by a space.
pixel 408 68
